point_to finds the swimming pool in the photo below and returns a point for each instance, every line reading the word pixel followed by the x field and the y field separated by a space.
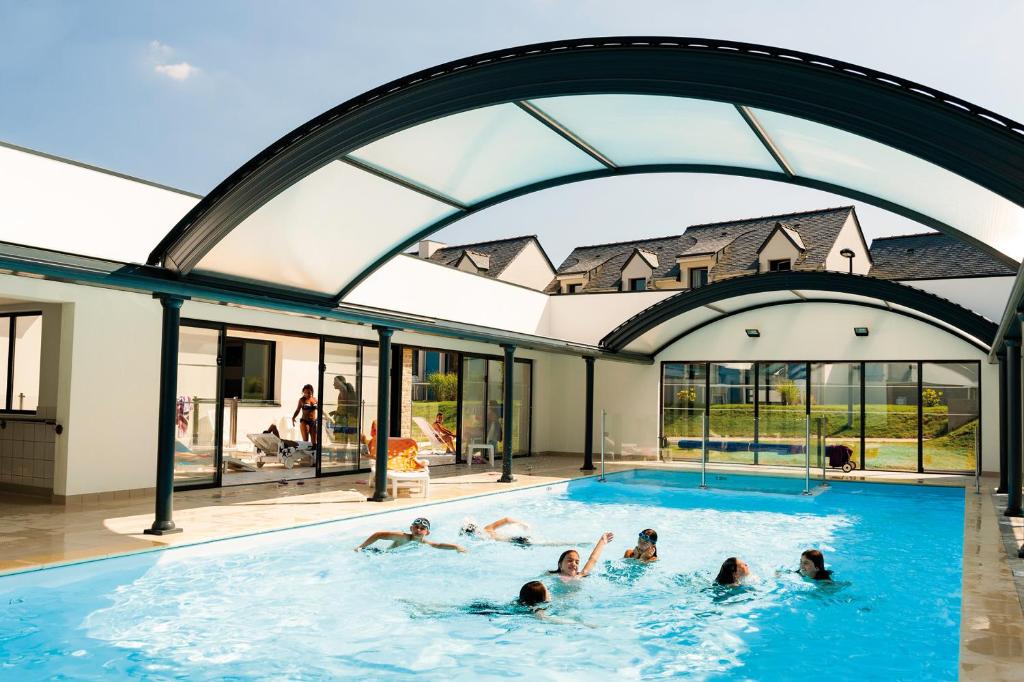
pixel 300 604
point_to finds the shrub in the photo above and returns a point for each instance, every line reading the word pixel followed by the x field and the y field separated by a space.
pixel 931 397
pixel 789 392
pixel 444 385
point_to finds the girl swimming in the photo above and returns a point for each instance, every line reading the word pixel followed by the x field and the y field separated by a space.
pixel 646 549
pixel 569 561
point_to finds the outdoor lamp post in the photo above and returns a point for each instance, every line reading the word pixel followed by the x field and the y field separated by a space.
pixel 849 255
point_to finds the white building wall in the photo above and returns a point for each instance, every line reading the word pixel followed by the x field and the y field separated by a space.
pixel 986 296
pixel 587 318
pixel 411 285
pixel 530 268
pixel 54 204
pixel 777 248
pixel 849 238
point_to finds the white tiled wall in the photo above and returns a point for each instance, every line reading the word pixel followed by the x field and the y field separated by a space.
pixel 26 454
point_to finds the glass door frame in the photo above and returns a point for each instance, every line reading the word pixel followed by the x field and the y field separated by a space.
pixel 223 328
pixel 863 390
pixel 487 357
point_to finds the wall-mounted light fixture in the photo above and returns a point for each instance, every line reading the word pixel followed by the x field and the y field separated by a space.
pixel 753 333
pixel 849 255
pixel 860 331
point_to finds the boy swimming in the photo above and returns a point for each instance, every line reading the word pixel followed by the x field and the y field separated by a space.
pixel 418 532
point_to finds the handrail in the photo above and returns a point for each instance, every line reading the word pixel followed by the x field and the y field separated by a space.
pixel 59 429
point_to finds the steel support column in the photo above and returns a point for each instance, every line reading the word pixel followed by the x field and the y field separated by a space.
pixel 380 490
pixel 507 415
pixel 1013 416
pixel 167 417
pixel 588 421
pixel 1002 423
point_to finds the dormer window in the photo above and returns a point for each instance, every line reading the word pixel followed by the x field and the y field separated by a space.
pixel 638 284
pixel 573 288
pixel 698 278
pixel 780 265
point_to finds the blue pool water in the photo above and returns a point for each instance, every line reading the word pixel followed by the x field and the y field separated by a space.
pixel 301 604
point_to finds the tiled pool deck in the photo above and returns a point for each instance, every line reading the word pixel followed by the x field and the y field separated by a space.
pixel 35 534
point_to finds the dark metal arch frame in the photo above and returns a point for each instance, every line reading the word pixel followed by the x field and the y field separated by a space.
pixel 837 301
pixel 973 142
pixel 958 317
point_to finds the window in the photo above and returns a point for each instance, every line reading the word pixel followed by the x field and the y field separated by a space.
pixel 20 344
pixel 573 288
pixel 781 265
pixel 249 369
pixel 638 284
pixel 698 277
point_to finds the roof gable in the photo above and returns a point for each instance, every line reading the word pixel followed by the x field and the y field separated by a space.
pixel 790 235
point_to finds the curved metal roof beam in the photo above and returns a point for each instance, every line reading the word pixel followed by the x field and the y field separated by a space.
pixel 977 144
pixel 960 318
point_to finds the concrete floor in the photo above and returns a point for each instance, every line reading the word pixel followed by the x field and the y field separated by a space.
pixel 35 534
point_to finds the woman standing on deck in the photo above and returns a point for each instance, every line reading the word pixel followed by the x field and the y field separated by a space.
pixel 308 406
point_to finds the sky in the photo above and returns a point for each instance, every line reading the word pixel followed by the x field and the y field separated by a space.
pixel 182 93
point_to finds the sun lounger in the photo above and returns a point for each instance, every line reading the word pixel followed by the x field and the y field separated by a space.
pixel 270 448
pixel 401 471
pixel 438 453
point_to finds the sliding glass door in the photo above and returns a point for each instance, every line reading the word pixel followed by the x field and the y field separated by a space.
pixel 683 403
pixel 732 426
pixel 484 409
pixel 340 433
pixel 782 413
pixel 197 435
pixel 951 415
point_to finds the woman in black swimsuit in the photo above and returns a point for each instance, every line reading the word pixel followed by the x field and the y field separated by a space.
pixel 308 406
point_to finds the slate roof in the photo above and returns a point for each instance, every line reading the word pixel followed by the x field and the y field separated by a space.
pixel 737 240
pixel 933 255
pixel 498 252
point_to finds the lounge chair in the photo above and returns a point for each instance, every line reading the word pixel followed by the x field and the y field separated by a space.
pixel 439 453
pixel 270 448
pixel 403 478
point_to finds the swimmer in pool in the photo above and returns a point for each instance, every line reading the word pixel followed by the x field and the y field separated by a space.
pixel 533 594
pixel 646 549
pixel 733 572
pixel 490 531
pixel 418 532
pixel 569 561
pixel 812 565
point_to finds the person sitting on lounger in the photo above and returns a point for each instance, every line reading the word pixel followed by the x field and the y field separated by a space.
pixel 418 532
pixel 443 433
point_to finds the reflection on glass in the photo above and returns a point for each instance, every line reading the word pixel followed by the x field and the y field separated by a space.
pixel 949 399
pixel 835 406
pixel 477 154
pixel 683 401
pixel 474 401
pixel 494 430
pixel 195 445
pixel 731 437
pixel 28 344
pixel 435 391
pixel 368 400
pixel 521 392
pixel 5 340
pixel 782 413
pixel 890 413
pixel 634 130
pixel 340 426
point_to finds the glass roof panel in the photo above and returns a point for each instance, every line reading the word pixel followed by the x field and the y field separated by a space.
pixel 633 130
pixel 322 231
pixel 477 154
pixel 823 153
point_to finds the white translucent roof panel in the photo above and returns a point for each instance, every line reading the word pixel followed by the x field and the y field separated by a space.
pixel 823 153
pixel 761 298
pixel 839 296
pixel 634 130
pixel 51 203
pixel 654 338
pixel 477 154
pixel 322 231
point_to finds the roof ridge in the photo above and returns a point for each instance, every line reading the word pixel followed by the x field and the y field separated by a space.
pixel 771 217
pixel 490 241
pixel 915 234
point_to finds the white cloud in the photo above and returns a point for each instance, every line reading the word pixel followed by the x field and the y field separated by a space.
pixel 178 72
pixel 159 48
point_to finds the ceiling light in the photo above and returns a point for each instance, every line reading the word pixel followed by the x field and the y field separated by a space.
pixel 860 331
pixel 753 333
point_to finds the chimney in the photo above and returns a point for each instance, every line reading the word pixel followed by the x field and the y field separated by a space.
pixel 428 247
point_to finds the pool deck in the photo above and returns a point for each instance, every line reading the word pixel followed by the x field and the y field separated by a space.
pixel 36 534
